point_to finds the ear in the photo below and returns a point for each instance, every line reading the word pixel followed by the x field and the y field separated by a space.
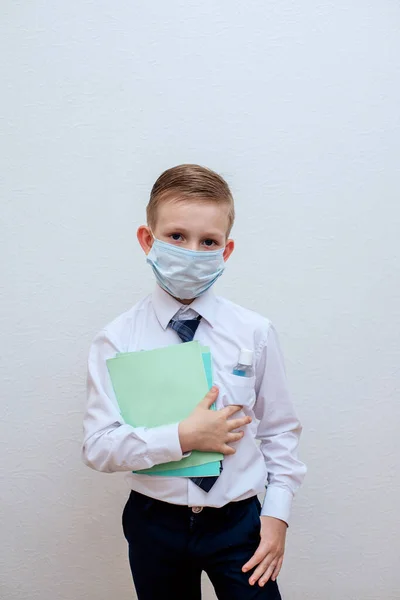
pixel 145 238
pixel 229 248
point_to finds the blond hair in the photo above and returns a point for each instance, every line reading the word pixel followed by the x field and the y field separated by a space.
pixel 186 182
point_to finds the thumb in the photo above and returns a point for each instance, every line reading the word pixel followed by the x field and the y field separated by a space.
pixel 209 398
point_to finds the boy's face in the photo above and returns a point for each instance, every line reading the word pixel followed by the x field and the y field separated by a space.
pixel 200 226
pixel 191 225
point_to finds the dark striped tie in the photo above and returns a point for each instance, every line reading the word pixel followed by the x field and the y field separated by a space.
pixel 186 330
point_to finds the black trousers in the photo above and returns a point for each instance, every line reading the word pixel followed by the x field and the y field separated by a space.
pixel 170 546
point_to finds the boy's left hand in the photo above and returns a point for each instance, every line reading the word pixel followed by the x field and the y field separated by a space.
pixel 269 554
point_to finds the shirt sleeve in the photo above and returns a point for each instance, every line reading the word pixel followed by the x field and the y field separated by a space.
pixel 278 430
pixel 109 443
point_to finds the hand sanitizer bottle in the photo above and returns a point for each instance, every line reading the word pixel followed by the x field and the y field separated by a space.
pixel 244 368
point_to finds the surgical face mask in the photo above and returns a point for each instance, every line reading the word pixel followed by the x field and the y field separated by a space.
pixel 183 273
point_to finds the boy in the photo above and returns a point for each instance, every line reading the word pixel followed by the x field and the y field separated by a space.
pixel 178 527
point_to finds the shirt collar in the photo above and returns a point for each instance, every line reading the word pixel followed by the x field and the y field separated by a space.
pixel 165 306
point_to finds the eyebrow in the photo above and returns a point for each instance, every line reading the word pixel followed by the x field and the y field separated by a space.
pixel 186 231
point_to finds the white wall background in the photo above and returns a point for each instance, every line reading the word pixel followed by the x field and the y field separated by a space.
pixel 297 105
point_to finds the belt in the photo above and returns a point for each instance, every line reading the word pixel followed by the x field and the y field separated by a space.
pixel 146 502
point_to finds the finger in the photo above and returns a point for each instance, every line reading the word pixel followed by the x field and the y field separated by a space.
pixel 230 410
pixel 260 570
pixel 234 437
pixel 278 568
pixel 257 557
pixel 210 397
pixel 267 575
pixel 227 450
pixel 236 423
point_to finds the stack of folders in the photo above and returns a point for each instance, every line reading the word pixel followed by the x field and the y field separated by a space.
pixel 161 387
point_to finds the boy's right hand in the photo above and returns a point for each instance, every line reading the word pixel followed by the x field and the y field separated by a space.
pixel 211 430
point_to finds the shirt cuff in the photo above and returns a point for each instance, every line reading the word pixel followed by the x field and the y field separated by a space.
pixel 164 444
pixel 277 503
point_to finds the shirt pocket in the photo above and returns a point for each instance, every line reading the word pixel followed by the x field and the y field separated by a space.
pixel 234 389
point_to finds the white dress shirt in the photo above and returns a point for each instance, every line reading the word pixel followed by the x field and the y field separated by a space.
pixel 111 445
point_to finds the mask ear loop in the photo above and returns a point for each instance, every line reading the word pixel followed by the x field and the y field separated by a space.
pixel 151 231
pixel 153 240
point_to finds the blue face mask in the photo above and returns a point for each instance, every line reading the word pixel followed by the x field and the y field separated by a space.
pixel 183 273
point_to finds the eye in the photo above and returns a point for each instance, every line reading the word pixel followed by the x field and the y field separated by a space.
pixel 177 237
pixel 210 243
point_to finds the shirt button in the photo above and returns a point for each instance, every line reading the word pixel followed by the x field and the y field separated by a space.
pixel 197 509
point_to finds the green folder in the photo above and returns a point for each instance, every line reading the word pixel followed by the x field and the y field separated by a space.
pixel 209 469
pixel 159 387
pixel 206 470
